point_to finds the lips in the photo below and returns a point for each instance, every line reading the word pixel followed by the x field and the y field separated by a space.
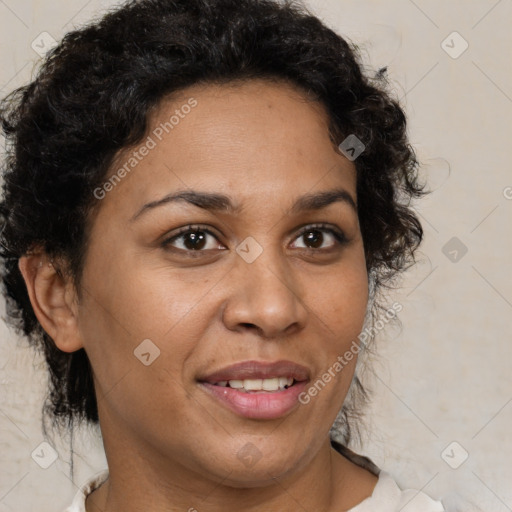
pixel 258 370
pixel 261 404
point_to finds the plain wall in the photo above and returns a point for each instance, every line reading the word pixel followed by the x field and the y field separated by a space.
pixel 445 376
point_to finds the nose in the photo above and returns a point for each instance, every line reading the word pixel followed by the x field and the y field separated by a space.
pixel 264 297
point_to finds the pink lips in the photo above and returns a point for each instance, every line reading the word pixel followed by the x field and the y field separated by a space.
pixel 260 404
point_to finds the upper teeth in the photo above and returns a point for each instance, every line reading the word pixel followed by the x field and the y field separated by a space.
pixel 258 384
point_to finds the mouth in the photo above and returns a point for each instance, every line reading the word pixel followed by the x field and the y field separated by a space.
pixel 258 385
pixel 257 390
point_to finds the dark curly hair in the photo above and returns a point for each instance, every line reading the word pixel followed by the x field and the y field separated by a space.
pixel 92 96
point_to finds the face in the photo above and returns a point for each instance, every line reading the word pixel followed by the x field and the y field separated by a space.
pixel 256 273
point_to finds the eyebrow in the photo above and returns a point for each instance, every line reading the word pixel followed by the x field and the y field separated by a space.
pixel 219 202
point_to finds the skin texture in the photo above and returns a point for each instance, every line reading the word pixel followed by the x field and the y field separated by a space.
pixel 169 444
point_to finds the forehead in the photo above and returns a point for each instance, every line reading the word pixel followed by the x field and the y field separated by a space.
pixel 255 139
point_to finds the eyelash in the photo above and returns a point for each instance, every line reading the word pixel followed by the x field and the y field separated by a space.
pixel 338 235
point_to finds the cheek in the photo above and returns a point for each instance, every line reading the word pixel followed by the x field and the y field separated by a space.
pixel 138 340
pixel 148 301
pixel 124 306
pixel 340 307
pixel 340 302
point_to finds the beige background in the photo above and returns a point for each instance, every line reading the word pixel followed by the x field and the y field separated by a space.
pixel 445 376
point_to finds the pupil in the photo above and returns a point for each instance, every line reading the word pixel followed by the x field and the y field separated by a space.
pixel 314 238
pixel 195 240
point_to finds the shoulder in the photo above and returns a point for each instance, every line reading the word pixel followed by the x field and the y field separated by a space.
pixel 78 503
pixel 388 497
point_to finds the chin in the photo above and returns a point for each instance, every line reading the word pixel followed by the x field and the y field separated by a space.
pixel 261 476
pixel 258 467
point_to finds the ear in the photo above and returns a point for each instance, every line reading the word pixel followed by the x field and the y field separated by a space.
pixel 53 300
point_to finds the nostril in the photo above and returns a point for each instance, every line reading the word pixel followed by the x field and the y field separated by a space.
pixel 249 325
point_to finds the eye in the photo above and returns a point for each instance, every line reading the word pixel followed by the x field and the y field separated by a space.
pixel 193 238
pixel 319 236
pixel 199 239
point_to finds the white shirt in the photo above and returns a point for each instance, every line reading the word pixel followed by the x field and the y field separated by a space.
pixel 386 497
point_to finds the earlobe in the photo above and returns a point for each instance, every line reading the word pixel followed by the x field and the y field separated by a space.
pixel 51 300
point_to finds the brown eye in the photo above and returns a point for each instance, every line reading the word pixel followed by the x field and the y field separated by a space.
pixel 313 238
pixel 193 239
pixel 320 237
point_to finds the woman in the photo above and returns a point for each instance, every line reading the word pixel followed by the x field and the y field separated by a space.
pixel 202 200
